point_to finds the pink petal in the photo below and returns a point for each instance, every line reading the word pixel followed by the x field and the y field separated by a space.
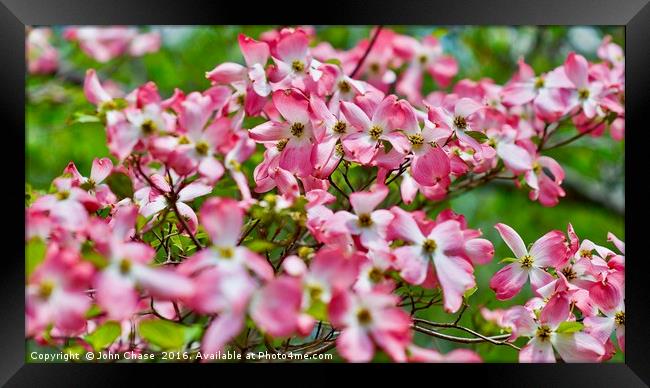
pixel 222 329
pixel 537 352
pixel 508 281
pixel 223 220
pixel 365 202
pixel 512 239
pixel 227 73
pixel 355 345
pixel 576 68
pixel 578 347
pixel 550 249
pixel 456 275
pixel 93 89
pixel 431 167
pixel 101 169
pixel 254 52
pixel 466 107
pixel 292 105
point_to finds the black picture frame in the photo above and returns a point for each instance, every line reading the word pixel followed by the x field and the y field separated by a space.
pixel 633 14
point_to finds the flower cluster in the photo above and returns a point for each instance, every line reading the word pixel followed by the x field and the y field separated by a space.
pixel 579 302
pixel 102 44
pixel 289 159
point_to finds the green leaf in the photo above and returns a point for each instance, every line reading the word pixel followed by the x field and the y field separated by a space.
pixel 470 292
pixel 95 258
pixel 387 146
pixel 164 334
pixel 318 310
pixel 35 253
pixel 478 136
pixel 93 311
pixel 260 245
pixel 80 117
pixel 508 260
pixel 569 327
pixel 333 61
pixel 104 335
pixel 120 185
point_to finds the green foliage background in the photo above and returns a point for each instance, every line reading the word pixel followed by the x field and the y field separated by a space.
pixel 52 140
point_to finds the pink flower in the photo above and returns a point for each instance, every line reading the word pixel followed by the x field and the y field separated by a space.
pixel 368 319
pixel 366 222
pixel 545 179
pixel 458 122
pixel 423 56
pixel 376 127
pixel 223 219
pixel 276 308
pixel 440 249
pixel 548 334
pixel 156 199
pixel 601 327
pixel 128 267
pixel 42 57
pixel 293 137
pixel 547 251
pixel 430 164
pixel 55 294
pixel 585 94
pixel 105 43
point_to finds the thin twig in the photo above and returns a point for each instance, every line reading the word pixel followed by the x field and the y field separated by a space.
pixel 365 55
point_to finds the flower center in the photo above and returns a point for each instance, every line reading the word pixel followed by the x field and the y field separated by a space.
pixel 297 66
pixel 61 195
pixel 340 127
pixel 374 67
pixel 344 87
pixel 423 59
pixel 460 122
pixel 375 275
pixel 364 220
pixel 225 252
pixel 526 261
pixel 148 127
pixel 125 266
pixel 297 129
pixel 202 148
pixel 375 132
pixel 416 140
pixel 281 144
pixel 241 99
pixel 586 253
pixel 583 94
pixel 45 289
pixel 619 318
pixel 569 273
pixel 315 292
pixel 363 316
pixel 183 140
pixel 539 83
pixel 543 332
pixel 429 246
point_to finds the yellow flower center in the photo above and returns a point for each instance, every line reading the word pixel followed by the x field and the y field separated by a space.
pixel 202 148
pixel 297 66
pixel 340 127
pixel 375 132
pixel 619 318
pixel 344 87
pixel 460 122
pixel 364 220
pixel 543 333
pixel 429 246
pixel 363 316
pixel 297 129
pixel 526 261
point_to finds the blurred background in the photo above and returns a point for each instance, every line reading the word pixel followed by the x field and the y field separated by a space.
pixel 594 166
